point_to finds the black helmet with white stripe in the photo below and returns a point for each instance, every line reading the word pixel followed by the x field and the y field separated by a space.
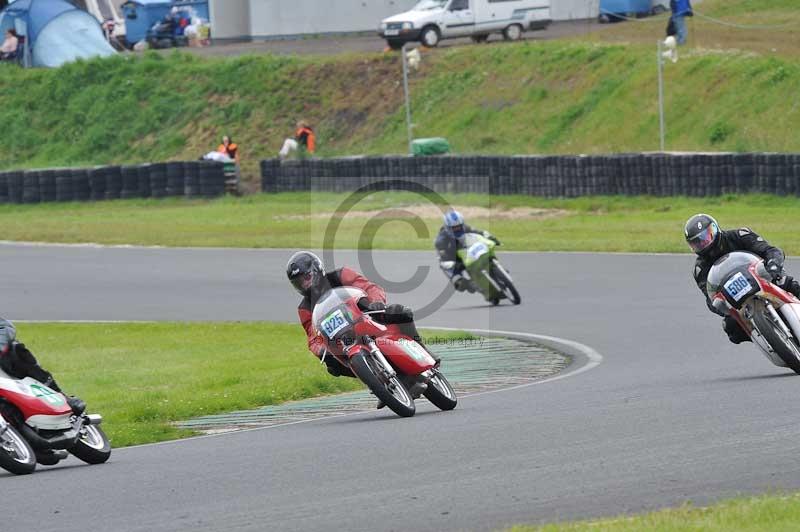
pixel 702 234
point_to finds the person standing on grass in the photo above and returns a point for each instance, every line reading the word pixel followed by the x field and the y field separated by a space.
pixel 304 138
pixel 680 10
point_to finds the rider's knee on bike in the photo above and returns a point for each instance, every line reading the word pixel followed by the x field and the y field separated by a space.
pixel 735 333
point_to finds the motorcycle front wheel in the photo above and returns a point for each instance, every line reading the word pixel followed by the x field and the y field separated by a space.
pixel 505 282
pixel 16 454
pixel 785 347
pixel 440 392
pixel 391 391
pixel 93 447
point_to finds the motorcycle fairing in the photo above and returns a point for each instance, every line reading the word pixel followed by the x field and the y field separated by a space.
pixel 41 406
pixel 405 354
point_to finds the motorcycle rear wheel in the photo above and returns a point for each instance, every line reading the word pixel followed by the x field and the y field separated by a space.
pixel 93 447
pixel 440 393
pixel 393 393
pixel 784 347
pixel 16 454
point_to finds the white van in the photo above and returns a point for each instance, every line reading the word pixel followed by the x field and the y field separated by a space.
pixel 430 21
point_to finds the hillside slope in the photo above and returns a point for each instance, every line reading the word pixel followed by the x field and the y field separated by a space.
pixel 530 97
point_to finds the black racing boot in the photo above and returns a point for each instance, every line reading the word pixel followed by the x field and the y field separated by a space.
pixel 77 404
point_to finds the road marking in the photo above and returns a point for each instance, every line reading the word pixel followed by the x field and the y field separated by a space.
pixel 592 359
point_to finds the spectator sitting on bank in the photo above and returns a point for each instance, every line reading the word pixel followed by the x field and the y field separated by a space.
pixel 680 10
pixel 304 138
pixel 229 148
pixel 10 45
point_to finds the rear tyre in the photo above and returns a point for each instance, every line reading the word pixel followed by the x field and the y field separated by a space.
pixel 93 447
pixel 440 393
pixel 784 347
pixel 506 284
pixel 512 32
pixel 16 454
pixel 392 392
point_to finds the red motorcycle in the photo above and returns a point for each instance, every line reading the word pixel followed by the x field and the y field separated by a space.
pixel 395 367
pixel 38 426
pixel 740 286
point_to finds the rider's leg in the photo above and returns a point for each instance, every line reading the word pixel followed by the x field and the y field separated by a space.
pixel 735 333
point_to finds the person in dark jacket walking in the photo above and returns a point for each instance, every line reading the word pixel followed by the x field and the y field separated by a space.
pixel 710 243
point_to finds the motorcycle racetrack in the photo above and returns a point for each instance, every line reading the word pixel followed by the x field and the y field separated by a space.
pixel 673 413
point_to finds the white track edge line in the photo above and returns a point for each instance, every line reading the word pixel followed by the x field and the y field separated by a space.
pixel 594 360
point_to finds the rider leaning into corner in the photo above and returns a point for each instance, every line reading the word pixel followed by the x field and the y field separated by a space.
pixel 307 275
pixel 450 239
pixel 710 243
pixel 18 362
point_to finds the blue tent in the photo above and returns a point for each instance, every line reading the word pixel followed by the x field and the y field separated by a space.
pixel 56 31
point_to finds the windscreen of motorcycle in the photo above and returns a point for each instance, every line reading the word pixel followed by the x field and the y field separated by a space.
pixel 730 276
pixel 330 315
pixel 475 247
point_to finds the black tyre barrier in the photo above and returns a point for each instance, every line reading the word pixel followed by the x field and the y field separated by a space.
pixel 97 183
pixel 30 186
pixel 130 182
pixel 175 178
pixel 64 189
pixel 47 186
pixel 143 173
pixel 658 174
pixel 158 180
pixel 191 183
pixel 4 187
pixel 113 182
pixel 15 186
pixel 212 179
pixel 80 184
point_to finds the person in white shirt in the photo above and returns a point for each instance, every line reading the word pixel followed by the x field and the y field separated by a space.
pixel 10 45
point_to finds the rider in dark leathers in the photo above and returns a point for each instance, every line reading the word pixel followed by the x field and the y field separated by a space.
pixel 710 243
pixel 18 362
pixel 449 240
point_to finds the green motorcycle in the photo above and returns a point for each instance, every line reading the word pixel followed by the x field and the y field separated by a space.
pixel 486 274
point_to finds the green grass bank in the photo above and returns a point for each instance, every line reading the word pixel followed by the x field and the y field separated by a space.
pixel 586 95
pixel 300 220
pixel 776 513
pixel 142 377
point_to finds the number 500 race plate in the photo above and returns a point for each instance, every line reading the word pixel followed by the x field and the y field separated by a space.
pixel 738 286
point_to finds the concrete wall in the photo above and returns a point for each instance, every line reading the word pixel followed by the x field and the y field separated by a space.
pixel 574 9
pixel 292 17
pixel 230 19
pixel 261 19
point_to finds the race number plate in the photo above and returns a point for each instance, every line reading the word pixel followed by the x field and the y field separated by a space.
pixel 333 324
pixel 476 250
pixel 738 286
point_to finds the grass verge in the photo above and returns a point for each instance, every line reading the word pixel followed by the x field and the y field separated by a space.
pixel 620 224
pixel 143 376
pixel 531 97
pixel 770 512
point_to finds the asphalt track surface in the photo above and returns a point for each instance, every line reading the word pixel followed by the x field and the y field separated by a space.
pixel 674 412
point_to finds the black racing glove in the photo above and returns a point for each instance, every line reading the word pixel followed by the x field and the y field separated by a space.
pixel 774 267
pixel 371 306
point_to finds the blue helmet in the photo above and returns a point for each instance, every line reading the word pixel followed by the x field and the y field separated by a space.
pixel 455 222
